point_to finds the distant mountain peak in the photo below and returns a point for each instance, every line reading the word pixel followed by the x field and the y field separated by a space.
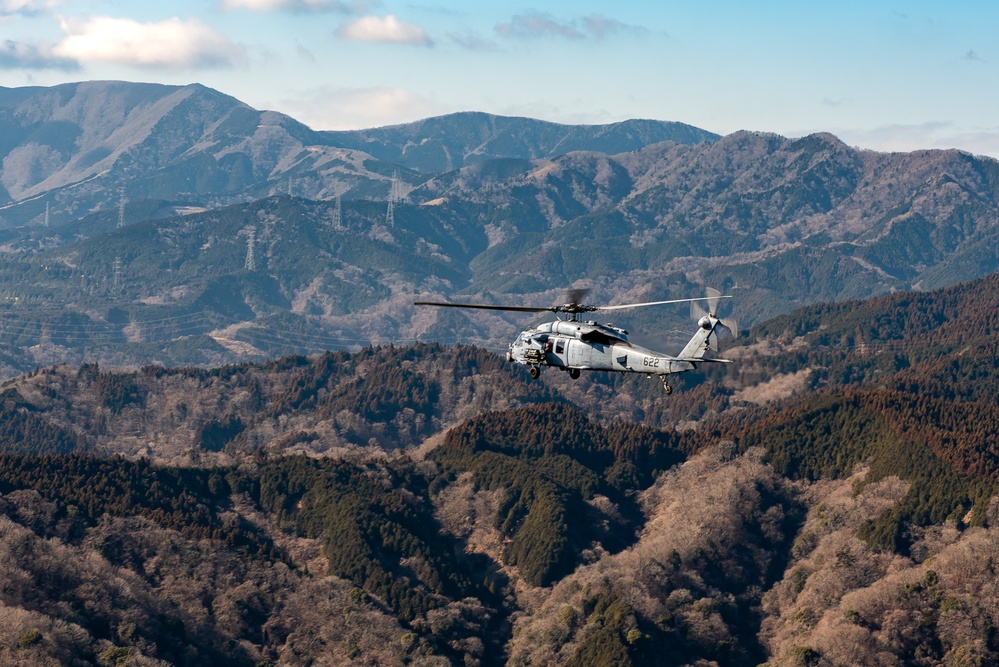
pixel 197 144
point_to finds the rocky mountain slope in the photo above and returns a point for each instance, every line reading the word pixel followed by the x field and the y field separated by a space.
pixel 776 222
pixel 85 146
pixel 446 143
pixel 779 218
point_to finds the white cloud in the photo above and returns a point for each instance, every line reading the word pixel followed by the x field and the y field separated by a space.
pixel 170 44
pixel 330 108
pixel 384 29
pixel 357 7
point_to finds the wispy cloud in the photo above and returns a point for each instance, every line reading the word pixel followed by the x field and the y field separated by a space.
pixel 933 134
pixel 973 55
pixel 27 7
pixel 19 55
pixel 532 25
pixel 837 102
pixel 173 44
pixel 338 6
pixel 304 53
pixel 384 29
pixel 600 26
pixel 330 108
pixel 536 24
pixel 472 42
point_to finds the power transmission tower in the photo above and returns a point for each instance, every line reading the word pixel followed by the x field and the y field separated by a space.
pixel 116 280
pixel 251 234
pixel 46 214
pixel 121 210
pixel 337 214
pixel 393 195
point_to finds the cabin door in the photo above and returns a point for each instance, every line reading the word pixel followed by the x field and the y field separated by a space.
pixel 577 354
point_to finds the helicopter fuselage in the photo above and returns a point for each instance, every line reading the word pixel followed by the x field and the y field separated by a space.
pixel 571 345
pixel 574 345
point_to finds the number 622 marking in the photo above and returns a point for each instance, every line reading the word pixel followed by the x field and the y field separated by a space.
pixel 652 362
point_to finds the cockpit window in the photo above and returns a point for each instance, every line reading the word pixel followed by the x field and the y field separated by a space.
pixel 560 347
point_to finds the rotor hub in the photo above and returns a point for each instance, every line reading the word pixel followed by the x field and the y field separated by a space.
pixel 574 308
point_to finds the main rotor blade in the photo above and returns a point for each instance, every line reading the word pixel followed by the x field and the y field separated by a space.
pixel 658 303
pixel 518 309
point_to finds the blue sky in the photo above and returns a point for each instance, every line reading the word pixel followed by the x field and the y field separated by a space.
pixel 880 75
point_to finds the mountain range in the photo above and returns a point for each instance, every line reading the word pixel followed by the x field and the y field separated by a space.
pixel 203 459
pixel 131 210
pixel 78 147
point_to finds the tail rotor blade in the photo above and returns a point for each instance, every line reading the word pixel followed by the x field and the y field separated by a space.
pixel 714 296
pixel 732 326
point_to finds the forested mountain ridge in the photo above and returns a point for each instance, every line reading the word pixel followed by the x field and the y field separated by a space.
pixel 828 499
pixel 380 399
pixel 366 540
pixel 848 517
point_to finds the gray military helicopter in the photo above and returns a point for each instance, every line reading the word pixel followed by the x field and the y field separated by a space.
pixel 573 344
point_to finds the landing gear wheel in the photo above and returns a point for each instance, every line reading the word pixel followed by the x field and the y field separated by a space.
pixel 535 372
pixel 574 373
pixel 668 389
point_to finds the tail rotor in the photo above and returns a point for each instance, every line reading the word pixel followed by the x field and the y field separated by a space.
pixel 709 315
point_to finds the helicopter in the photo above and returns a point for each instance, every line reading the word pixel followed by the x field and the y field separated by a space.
pixel 574 344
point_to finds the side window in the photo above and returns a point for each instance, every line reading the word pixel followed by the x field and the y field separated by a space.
pixel 560 347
